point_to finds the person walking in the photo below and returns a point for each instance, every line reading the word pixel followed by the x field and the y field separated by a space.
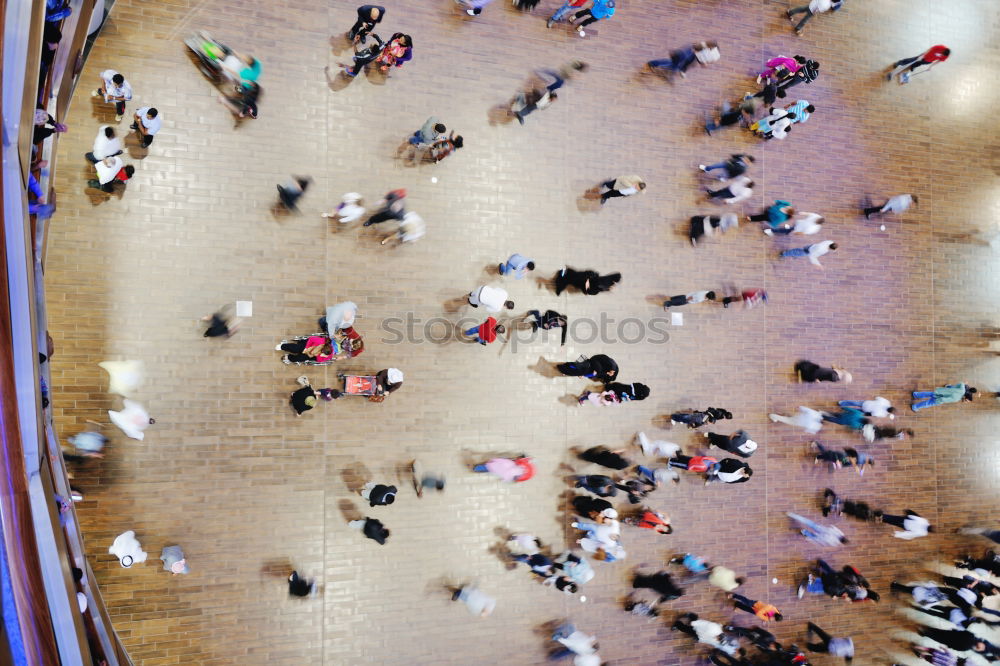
pixel 368 17
pixel 371 528
pixel 960 640
pixel 425 481
pixel 598 484
pixel 763 610
pixel 623 186
pixel 116 90
pixel 486 332
pixel 392 208
pixel 774 215
pixel 739 443
pixel 445 146
pixel 549 320
pixel 696 418
pixel 736 190
pixel 729 114
pixel 567 7
pixel 878 407
pixel 707 632
pixel 515 470
pixel 913 525
pixel 660 582
pixel 680 60
pixel 733 166
pixel 477 602
pixel 378 494
pixel 776 125
pixel 429 132
pixel 807 371
pixel 292 190
pixel 845 458
pixel 814 7
pixel 299 586
pixel 897 204
pixel 657 448
pixel 537 98
pixel 823 535
pixel 493 298
pixel 806 224
pixel 800 111
pixel 572 641
pixel 598 10
pixel 812 252
pixel 943 395
pixel 685 299
pixel 111 170
pixel 106 144
pixel 604 457
pixel 729 470
pixel 908 67
pixel 709 225
pixel 648 519
pixel 808 419
pixel 410 229
pixel 517 265
pixel 850 417
pixel 147 123
pixel 835 647
pixel 588 282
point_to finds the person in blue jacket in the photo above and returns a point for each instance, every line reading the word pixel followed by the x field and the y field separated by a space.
pixel 601 9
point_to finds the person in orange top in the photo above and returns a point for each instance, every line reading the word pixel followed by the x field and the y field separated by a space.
pixel 762 610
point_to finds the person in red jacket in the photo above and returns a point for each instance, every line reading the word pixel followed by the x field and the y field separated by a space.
pixel 487 331
pixel 907 67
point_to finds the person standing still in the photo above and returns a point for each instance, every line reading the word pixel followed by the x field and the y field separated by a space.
pixel 147 123
pixel 368 17
pixel 115 90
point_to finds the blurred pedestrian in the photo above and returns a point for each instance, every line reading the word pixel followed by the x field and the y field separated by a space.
pixel 898 204
pixel 836 647
pixel 515 470
pixel 300 587
pixel 598 10
pixel 704 53
pixel 599 367
pixel 174 561
pixel 908 67
pixel 739 443
pixel 549 320
pixel 588 282
pixel 808 419
pixel 476 601
pixel 943 395
pixel 710 225
pixel 371 528
pixel 106 144
pixel 686 299
pixel 736 190
pixel 111 170
pixel 814 7
pixel 912 524
pixel 733 166
pixel 604 457
pixel 486 332
pixel 623 186
pixel 392 208
pixel 807 371
pixel 763 610
pixel 812 252
pixel 292 190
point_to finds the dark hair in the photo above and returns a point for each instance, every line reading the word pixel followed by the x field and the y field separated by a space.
pixel 152 113
pixel 843 539
pixel 891 410
pixel 750 157
pixel 553 96
pixel 129 170
pixel 810 108
pixel 580 66
pixel 833 246
pixel 750 184
pixel 642 185
pixel 500 328
pixel 749 471
pixel 530 265
pixel 252 61
pixel 509 305
pixel 439 128
pixel 930 528
pixel 458 142
pixel 727 415
pixel 439 484
pixel 407 41
pixel 740 580
pixel 909 432
pixel 973 389
pixel 874 596
pixel 118 79
pixel 668 529
pixel 914 197
pixel 109 132
pixel 640 391
pixel 710 295
pixel 946 51
pixel 778 617
pixel 151 421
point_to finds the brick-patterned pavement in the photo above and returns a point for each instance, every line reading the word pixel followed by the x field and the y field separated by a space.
pixel 246 488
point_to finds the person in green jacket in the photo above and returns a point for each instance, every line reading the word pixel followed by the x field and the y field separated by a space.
pixel 942 395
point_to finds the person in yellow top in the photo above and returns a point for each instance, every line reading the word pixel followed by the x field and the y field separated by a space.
pixel 623 186
pixel 765 611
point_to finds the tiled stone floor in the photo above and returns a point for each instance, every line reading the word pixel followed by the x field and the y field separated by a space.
pixel 246 488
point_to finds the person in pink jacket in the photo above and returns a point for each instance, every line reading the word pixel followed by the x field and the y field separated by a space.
pixel 316 348
pixel 776 65
pixel 511 471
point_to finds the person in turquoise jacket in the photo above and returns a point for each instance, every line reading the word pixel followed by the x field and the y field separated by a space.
pixel 601 9
pixel 776 214
pixel 852 418
pixel 942 395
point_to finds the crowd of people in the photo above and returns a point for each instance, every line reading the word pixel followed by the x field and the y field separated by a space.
pixel 596 521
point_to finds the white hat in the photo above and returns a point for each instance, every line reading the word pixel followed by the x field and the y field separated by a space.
pixel 609 513
pixel 395 375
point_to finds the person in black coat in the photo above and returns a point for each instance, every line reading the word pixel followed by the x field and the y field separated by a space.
pixel 379 494
pixel 728 467
pixel 605 458
pixel 589 282
pixel 593 508
pixel 810 372
pixel 659 582
pixel 600 485
pixel 626 392
pixel 298 586
pixel 739 443
pixel 551 319
pixel 371 528
pixel 368 17
pixel 599 367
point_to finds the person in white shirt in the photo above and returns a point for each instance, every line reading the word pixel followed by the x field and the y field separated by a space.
pixel 479 603
pixel 806 224
pixel 808 419
pixel 109 170
pixel 573 641
pixel 658 447
pixel 494 298
pixel 914 525
pixel 411 228
pixel 147 123
pixel 736 190
pixel 813 252
pixel 116 90
pixel 878 407
pixel 897 204
pixel 106 144
pixel 814 7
